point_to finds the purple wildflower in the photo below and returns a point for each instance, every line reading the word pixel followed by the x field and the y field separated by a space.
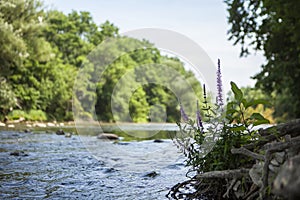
pixel 183 114
pixel 199 119
pixel 204 94
pixel 219 86
pixel 204 91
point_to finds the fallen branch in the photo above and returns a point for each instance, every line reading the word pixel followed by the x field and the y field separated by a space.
pixel 280 146
pixel 265 175
pixel 235 173
pixel 244 151
pixel 270 134
pixel 226 195
pixel 253 192
pixel 283 138
pixel 289 128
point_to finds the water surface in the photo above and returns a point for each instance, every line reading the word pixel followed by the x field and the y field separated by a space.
pixel 49 166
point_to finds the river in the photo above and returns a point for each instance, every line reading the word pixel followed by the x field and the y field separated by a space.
pixel 43 165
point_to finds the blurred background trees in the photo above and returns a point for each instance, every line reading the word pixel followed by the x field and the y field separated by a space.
pixel 42 52
pixel 272 27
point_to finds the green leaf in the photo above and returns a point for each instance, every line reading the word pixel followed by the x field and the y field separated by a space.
pixel 230 105
pixel 257 116
pixel 238 94
pixel 231 111
pixel 244 102
pixel 259 119
pixel 238 128
pixel 258 122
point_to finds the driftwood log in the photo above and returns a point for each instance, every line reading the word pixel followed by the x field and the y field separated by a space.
pixel 276 174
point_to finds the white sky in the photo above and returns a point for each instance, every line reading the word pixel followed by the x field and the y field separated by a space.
pixel 203 21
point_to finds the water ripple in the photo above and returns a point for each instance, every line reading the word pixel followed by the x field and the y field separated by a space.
pixel 62 168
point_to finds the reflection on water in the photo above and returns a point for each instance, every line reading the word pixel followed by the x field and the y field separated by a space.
pixel 84 167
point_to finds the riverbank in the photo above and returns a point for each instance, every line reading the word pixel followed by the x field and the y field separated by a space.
pixel 30 124
pixel 123 125
pixel 125 131
pixel 273 173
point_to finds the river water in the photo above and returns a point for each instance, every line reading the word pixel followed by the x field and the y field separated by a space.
pixel 40 165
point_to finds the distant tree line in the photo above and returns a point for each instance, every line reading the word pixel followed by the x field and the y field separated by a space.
pixel 42 51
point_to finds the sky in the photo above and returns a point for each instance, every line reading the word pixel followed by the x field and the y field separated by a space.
pixel 203 21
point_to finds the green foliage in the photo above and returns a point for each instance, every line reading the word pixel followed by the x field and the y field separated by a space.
pixel 210 149
pixel 39 54
pixel 221 158
pixel 138 106
pixel 32 115
pixel 21 37
pixel 36 115
pixel 132 83
pixel 43 51
pixel 68 35
pixel 258 102
pixel 17 114
pixel 274 28
pixel 236 109
pixel 7 97
pixel 36 77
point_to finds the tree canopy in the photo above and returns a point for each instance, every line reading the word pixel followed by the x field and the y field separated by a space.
pixel 42 51
pixel 274 28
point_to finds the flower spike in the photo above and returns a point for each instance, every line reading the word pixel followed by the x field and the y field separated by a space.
pixel 199 119
pixel 219 86
pixel 183 114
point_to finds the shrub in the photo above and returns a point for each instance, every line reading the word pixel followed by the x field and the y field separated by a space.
pixel 16 114
pixel 37 115
pixel 32 115
pixel 209 148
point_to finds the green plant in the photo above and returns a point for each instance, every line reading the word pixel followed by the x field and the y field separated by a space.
pixel 36 115
pixel 17 114
pixel 32 115
pixel 209 148
pixel 7 97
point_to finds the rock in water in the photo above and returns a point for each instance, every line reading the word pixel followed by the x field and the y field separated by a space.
pixel 69 134
pixel 108 136
pixel 60 132
pixel 18 153
pixel 151 174
pixel 27 130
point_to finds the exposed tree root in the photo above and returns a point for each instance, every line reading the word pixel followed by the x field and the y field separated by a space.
pixel 276 146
